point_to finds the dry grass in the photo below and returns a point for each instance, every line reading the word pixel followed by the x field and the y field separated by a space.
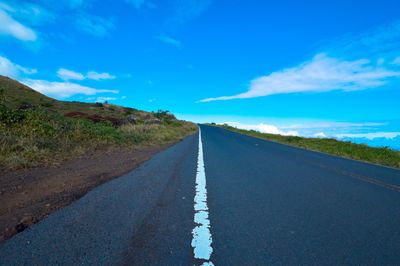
pixel 157 133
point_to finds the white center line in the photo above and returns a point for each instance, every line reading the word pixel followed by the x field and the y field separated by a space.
pixel 202 238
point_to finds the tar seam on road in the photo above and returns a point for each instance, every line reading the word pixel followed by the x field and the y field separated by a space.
pixel 202 238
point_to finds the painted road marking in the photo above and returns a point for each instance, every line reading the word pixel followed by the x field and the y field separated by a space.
pixel 202 238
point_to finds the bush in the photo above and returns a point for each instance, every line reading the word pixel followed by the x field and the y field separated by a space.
pixel 48 105
pixel 9 117
pixel 2 97
pixel 166 116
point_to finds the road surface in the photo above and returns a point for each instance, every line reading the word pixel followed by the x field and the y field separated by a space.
pixel 228 199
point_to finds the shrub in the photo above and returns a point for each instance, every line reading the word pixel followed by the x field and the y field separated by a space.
pixel 164 115
pixel 48 105
pixel 9 117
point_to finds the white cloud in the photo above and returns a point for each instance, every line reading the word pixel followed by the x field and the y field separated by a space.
pixel 377 42
pixel 355 62
pixel 94 25
pixel 62 89
pixel 18 17
pixel 332 124
pixel 169 40
pixel 184 11
pixel 377 138
pixel 75 3
pixel 99 76
pixel 67 74
pixel 136 3
pixel 10 69
pixel 50 88
pixel 334 128
pixel 370 136
pixel 263 128
pixel 105 99
pixel 380 61
pixel 312 128
pixel 4 6
pixel 321 74
pixel 28 12
pixel 319 135
pixel 11 27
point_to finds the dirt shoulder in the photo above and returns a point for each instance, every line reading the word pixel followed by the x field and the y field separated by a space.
pixel 29 195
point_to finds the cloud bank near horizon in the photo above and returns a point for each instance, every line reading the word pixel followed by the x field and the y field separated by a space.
pixel 328 129
pixel 264 128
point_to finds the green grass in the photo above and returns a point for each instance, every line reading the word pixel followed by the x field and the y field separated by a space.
pixel 43 135
pixel 383 156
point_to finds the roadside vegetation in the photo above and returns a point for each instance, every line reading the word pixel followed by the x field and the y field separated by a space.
pixel 384 156
pixel 36 130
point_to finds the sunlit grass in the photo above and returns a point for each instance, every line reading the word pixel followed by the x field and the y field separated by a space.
pixel 384 156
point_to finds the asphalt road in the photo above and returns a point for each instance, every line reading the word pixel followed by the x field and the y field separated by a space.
pixel 266 204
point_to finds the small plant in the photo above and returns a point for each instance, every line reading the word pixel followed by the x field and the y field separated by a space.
pixel 47 105
pixel 26 106
pixel 2 97
pixel 9 117
pixel 164 115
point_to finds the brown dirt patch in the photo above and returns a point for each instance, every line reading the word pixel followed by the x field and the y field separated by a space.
pixel 95 118
pixel 29 195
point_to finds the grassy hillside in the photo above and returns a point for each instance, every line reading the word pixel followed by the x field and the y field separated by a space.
pixel 38 130
pixel 383 156
pixel 15 95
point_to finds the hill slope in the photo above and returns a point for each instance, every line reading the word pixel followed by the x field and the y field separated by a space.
pixel 38 130
pixel 16 95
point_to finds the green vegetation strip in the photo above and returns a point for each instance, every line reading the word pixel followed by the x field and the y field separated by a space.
pixel 35 137
pixel 383 156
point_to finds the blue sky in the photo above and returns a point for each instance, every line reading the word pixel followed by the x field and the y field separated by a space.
pixel 310 68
